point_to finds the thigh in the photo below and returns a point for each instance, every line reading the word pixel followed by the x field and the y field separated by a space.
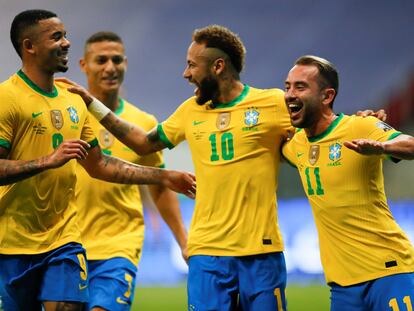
pixel 212 283
pixel 66 275
pixel 111 283
pixel 349 298
pixel 19 282
pixel 262 282
pixel 392 293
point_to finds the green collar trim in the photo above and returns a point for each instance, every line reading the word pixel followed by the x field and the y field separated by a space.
pixel 26 79
pixel 235 101
pixel 120 108
pixel 328 130
pixel 4 143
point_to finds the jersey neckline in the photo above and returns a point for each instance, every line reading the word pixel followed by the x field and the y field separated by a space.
pixel 235 101
pixel 37 89
pixel 328 130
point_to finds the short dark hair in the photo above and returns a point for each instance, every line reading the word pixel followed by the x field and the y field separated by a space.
pixel 22 22
pixel 328 75
pixel 101 36
pixel 222 38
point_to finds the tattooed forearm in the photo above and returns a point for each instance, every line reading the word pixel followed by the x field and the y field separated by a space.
pixel 133 136
pixel 153 138
pixel 119 171
pixel 118 127
pixel 12 171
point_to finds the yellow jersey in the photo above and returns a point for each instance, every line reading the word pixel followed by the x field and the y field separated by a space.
pixel 235 148
pixel 38 214
pixel 111 216
pixel 358 236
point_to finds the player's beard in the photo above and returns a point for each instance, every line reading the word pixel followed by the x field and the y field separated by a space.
pixel 208 89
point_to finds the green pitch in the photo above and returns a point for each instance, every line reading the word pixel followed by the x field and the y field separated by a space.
pixel 300 298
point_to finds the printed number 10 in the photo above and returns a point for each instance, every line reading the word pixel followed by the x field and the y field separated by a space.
pixel 227 150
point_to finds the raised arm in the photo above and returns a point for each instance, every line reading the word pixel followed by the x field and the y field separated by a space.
pixel 115 170
pixel 129 134
pixel 12 171
pixel 401 147
pixel 167 204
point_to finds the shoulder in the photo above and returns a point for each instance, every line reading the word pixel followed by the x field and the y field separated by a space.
pixel 138 116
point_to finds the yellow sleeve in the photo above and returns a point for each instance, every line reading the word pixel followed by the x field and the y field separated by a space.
pixel 9 116
pixel 172 130
pixel 372 128
pixel 88 134
pixel 288 151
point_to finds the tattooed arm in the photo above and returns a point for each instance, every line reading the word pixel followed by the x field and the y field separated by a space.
pixel 115 170
pixel 12 171
pixel 133 136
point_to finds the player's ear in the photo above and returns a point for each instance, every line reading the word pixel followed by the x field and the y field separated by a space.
pixel 82 64
pixel 328 95
pixel 219 65
pixel 126 62
pixel 27 45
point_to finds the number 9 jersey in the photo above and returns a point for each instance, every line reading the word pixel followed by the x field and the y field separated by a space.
pixel 38 214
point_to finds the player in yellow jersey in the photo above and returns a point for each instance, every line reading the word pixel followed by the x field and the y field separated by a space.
pixel 111 215
pixel 367 259
pixel 42 128
pixel 234 132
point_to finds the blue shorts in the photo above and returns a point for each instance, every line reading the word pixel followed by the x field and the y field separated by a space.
pixel 58 275
pixel 111 283
pixel 390 293
pixel 230 283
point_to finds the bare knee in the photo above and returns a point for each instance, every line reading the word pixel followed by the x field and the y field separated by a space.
pixel 62 306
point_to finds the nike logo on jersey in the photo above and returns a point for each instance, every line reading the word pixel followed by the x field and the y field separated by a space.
pixel 122 302
pixel 299 154
pixel 198 122
pixel 35 115
pixel 81 287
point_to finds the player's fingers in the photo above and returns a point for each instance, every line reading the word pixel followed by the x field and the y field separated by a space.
pixel 351 145
pixel 65 80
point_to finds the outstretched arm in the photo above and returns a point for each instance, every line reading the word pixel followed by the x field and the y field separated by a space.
pixel 129 134
pixel 401 147
pixel 12 171
pixel 115 170
pixel 168 206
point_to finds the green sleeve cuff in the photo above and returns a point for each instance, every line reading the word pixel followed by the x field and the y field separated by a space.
pixel 163 137
pixel 392 136
pixel 4 143
pixel 161 166
pixel 93 143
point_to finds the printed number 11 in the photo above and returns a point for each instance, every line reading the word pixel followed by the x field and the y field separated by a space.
pixel 394 304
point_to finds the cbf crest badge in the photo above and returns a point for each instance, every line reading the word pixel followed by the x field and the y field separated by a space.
pixel 251 117
pixel 313 154
pixel 106 139
pixel 56 118
pixel 223 120
pixel 335 151
pixel 73 114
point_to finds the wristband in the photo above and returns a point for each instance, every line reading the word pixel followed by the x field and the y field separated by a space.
pixel 98 109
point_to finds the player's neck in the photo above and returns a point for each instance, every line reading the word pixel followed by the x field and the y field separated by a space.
pixel 110 100
pixel 43 79
pixel 321 125
pixel 229 91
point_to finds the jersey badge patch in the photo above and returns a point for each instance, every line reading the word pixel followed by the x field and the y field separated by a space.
pixel 56 118
pixel 251 117
pixel 73 114
pixel 314 154
pixel 106 139
pixel 335 151
pixel 384 126
pixel 223 120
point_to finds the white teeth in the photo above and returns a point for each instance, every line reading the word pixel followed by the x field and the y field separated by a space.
pixel 295 106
